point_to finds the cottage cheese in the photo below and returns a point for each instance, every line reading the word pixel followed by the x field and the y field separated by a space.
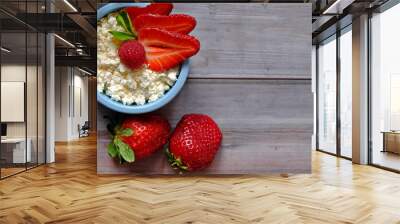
pixel 120 82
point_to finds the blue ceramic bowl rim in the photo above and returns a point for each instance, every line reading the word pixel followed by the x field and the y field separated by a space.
pixel 150 106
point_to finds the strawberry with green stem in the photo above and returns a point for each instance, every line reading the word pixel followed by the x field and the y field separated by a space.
pixel 137 137
pixel 194 143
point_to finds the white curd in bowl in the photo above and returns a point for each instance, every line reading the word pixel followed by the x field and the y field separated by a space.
pixel 120 82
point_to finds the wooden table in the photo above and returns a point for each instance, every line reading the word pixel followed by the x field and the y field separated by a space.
pixel 253 76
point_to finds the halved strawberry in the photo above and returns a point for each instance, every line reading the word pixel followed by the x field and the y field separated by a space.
pixel 180 23
pixel 153 8
pixel 164 49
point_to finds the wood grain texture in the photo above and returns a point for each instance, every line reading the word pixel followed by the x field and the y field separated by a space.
pixel 253 39
pixel 70 191
pixel 252 76
pixel 267 127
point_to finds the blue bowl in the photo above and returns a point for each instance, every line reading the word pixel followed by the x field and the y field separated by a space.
pixel 151 106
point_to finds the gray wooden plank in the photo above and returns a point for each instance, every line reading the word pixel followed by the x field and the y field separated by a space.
pixel 267 127
pixel 254 39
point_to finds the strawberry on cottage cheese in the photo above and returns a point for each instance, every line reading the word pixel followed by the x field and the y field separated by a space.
pixel 129 86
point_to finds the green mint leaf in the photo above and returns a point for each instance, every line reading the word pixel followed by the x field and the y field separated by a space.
pixel 124 150
pixel 126 132
pixel 125 22
pixel 122 36
pixel 112 150
pixel 120 20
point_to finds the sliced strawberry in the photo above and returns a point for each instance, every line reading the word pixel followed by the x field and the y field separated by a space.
pixel 164 49
pixel 153 8
pixel 180 23
pixel 160 8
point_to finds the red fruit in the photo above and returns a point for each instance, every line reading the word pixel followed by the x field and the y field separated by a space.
pixel 150 132
pixel 153 8
pixel 194 143
pixel 143 135
pixel 132 54
pixel 179 23
pixel 165 50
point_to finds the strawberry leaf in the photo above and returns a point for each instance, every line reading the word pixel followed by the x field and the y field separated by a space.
pixel 110 125
pixel 110 129
pixel 175 163
pixel 121 36
pixel 170 156
pixel 112 150
pixel 117 148
pixel 125 151
pixel 126 132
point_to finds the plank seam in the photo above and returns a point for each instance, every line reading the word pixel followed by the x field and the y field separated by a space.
pixel 247 77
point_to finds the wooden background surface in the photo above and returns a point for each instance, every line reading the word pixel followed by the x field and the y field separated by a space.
pixel 253 76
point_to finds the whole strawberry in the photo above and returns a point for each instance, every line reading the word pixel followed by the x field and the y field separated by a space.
pixel 132 54
pixel 138 137
pixel 194 143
